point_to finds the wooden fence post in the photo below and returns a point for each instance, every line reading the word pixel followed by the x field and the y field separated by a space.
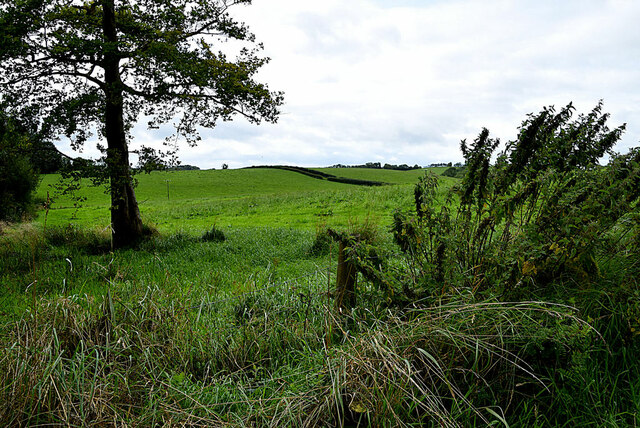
pixel 346 277
pixel 346 282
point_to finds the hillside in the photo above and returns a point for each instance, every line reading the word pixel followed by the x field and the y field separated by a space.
pixel 194 200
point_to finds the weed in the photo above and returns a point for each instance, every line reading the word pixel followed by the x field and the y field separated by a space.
pixel 213 235
pixel 93 241
pixel 322 242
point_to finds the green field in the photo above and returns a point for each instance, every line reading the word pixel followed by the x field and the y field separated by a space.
pixel 195 200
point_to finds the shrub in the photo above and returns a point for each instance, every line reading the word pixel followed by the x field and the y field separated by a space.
pixel 18 181
pixel 539 214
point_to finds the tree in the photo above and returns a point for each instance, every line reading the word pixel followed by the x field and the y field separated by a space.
pixel 45 158
pixel 18 180
pixel 107 62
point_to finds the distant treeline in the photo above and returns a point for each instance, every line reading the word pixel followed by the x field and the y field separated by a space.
pixel 402 167
pixel 183 168
pixel 449 164
pixel 162 167
pixel 378 165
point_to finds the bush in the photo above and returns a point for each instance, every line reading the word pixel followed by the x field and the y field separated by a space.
pixel 18 178
pixel 545 221
pixel 18 181
pixel 540 214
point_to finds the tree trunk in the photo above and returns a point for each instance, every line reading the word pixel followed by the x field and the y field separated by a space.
pixel 126 222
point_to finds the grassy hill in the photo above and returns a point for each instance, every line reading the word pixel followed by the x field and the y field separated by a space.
pixel 194 200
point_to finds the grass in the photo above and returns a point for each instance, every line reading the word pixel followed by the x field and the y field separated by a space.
pixel 73 260
pixel 240 198
pixel 261 356
pixel 192 329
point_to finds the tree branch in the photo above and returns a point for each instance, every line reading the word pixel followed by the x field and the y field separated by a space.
pixel 88 77
pixel 176 95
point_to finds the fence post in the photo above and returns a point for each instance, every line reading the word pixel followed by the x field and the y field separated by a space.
pixel 346 277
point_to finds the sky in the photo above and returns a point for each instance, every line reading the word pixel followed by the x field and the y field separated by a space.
pixel 403 81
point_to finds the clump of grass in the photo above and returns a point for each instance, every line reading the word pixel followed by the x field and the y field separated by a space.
pixel 448 365
pixel 213 235
pixel 17 246
pixel 367 230
pixel 455 365
pixel 77 362
pixel 149 230
pixel 322 242
pixel 92 241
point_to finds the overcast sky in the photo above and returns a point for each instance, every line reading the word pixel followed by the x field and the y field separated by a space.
pixel 403 81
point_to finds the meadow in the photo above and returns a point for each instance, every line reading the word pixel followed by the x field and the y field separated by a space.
pixel 226 315
pixel 192 201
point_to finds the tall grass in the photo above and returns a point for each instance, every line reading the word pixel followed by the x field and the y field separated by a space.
pixel 242 333
pixel 265 357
